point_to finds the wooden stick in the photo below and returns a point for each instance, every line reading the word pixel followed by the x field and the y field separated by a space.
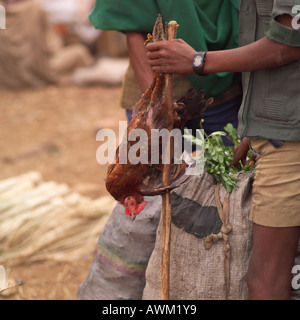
pixel 166 199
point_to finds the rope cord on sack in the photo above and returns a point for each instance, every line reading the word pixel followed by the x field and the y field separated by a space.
pixel 223 234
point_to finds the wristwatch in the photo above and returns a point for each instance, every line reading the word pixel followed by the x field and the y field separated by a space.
pixel 198 63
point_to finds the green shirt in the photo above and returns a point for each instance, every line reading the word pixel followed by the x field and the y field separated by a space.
pixel 271 97
pixel 204 24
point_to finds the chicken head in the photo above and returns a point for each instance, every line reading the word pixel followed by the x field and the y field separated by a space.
pixel 133 207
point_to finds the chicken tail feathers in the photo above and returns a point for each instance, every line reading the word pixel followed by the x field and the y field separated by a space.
pixel 195 103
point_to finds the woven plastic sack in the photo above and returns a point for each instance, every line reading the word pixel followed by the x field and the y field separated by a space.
pixel 210 246
pixel 121 257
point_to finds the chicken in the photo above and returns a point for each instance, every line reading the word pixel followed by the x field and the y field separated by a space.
pixel 127 182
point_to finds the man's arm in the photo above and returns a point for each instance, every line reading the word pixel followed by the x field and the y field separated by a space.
pixel 138 59
pixel 177 56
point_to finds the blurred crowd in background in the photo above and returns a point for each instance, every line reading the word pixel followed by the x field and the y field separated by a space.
pixel 53 42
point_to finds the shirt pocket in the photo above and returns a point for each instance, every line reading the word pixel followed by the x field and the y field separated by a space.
pixel 282 96
pixel 283 3
pixel 264 12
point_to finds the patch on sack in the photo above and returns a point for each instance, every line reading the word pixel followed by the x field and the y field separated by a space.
pixel 194 218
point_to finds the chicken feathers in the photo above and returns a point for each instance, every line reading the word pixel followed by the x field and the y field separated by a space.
pixel 128 182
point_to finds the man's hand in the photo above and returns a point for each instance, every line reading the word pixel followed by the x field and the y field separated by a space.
pixel 174 56
pixel 240 154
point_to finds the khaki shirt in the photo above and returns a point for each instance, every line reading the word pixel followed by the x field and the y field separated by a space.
pixel 271 98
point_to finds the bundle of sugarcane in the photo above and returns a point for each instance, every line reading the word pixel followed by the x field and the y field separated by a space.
pixel 46 220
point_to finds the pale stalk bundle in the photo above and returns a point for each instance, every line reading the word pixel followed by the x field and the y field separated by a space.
pixel 15 182
pixel 8 191
pixel 45 220
pixel 33 198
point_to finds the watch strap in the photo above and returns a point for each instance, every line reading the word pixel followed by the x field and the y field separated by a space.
pixel 198 63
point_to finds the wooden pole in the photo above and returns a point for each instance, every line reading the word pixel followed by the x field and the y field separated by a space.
pixel 166 199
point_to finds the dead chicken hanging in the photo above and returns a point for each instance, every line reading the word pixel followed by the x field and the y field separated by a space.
pixel 128 183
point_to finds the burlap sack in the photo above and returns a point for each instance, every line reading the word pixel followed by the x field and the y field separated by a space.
pixel 197 272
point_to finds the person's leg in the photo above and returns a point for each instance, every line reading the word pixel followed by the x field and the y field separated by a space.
pixel 275 214
pixel 273 255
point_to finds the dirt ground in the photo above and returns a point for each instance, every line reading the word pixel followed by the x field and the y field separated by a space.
pixel 53 131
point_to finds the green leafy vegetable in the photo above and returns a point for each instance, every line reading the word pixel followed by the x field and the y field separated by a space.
pixel 218 157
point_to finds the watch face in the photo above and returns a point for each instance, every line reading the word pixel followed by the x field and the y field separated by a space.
pixel 198 60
